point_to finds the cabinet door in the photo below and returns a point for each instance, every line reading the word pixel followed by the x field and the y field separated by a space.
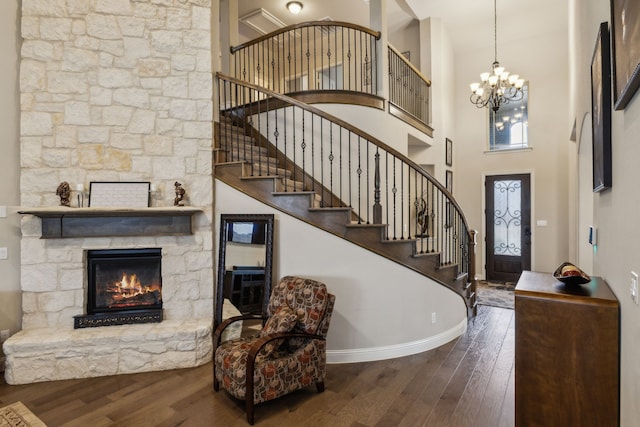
pixel 566 363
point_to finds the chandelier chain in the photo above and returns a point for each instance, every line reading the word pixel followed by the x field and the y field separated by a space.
pixel 495 31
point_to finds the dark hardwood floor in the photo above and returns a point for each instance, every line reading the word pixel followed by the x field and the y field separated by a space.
pixel 467 382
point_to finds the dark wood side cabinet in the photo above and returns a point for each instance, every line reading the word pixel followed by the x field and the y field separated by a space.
pixel 567 355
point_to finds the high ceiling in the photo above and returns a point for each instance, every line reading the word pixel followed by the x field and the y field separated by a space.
pixel 470 23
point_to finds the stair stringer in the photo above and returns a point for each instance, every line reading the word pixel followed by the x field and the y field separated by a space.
pixel 300 204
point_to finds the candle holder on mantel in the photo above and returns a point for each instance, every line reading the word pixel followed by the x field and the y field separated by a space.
pixel 80 195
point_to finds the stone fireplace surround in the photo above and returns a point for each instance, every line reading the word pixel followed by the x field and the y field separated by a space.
pixel 113 90
pixel 54 290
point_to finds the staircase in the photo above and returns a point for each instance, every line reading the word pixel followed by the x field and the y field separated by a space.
pixel 288 155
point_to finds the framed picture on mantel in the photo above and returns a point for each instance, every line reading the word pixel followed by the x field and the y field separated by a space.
pixel 104 194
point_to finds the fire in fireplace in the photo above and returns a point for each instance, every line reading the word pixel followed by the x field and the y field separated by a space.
pixel 123 286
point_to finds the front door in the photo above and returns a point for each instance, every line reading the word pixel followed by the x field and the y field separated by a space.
pixel 508 225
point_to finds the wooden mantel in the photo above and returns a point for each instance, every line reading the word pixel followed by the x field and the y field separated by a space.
pixel 62 222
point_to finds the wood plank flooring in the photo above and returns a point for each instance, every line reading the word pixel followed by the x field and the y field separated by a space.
pixel 467 382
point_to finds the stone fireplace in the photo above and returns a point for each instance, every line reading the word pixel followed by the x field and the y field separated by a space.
pixel 119 91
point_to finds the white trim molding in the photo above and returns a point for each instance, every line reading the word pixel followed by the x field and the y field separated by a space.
pixel 396 350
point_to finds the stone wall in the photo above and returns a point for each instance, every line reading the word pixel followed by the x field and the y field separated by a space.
pixel 114 90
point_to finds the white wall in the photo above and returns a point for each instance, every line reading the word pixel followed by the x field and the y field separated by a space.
pixel 382 309
pixel 380 124
pixel 615 210
pixel 549 131
pixel 408 39
pixel 440 65
pixel 10 299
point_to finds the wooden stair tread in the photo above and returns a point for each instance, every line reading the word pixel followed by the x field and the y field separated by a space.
pixel 328 209
pixel 288 193
pixel 363 225
pixel 425 254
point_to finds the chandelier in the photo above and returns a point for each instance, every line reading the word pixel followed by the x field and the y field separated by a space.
pixel 496 87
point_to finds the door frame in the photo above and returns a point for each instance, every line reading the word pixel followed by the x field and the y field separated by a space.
pixel 482 241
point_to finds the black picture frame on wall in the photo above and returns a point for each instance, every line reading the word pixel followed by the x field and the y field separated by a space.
pixel 601 110
pixel 448 159
pixel 625 50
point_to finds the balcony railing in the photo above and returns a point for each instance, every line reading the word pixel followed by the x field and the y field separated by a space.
pixel 321 55
pixel 409 91
pixel 344 166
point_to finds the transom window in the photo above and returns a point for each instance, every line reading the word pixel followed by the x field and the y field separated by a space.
pixel 509 126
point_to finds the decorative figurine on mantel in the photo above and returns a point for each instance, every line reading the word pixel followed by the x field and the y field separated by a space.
pixel 64 191
pixel 179 194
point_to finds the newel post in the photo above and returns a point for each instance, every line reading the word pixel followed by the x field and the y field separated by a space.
pixel 377 207
pixel 472 254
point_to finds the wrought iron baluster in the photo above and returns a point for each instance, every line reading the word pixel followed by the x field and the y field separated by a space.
pixel 313 151
pixel 359 172
pixel 340 176
pixel 293 144
pixel 331 158
pixel 402 199
pixel 377 207
pixel 350 78
pixel 349 173
pixel 322 183
pixel 368 183
pixel 394 192
pixel 386 192
pixel 303 145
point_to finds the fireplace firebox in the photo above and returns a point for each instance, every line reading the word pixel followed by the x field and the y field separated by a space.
pixel 124 286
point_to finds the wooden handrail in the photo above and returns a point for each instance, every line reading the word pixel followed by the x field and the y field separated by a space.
pixel 341 123
pixel 409 92
pixel 410 65
pixel 376 34
pixel 349 165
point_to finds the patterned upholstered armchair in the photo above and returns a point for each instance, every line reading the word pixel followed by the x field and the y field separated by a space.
pixel 288 354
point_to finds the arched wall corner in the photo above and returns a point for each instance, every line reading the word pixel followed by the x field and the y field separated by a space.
pixel 399 350
pixel 383 310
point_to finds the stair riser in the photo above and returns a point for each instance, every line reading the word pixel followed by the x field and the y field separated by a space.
pixel 248 156
pixel 333 220
pixel 281 186
pixel 235 139
pixel 262 169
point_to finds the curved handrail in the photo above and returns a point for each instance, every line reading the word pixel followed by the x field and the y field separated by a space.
pixel 376 34
pixel 344 162
pixel 342 123
pixel 409 91
pixel 315 55
pixel 410 65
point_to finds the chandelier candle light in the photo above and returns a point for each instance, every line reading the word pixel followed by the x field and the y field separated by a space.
pixel 498 86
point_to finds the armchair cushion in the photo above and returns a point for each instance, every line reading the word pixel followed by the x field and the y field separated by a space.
pixel 283 320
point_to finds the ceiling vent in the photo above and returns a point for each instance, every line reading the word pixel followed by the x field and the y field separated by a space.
pixel 262 21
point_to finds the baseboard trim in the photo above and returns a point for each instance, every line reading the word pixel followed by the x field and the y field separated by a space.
pixel 396 350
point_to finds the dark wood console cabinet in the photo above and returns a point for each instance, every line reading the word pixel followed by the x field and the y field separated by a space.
pixel 244 287
pixel 567 353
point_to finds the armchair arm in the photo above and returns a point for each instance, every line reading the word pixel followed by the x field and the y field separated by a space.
pixel 217 334
pixel 262 341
